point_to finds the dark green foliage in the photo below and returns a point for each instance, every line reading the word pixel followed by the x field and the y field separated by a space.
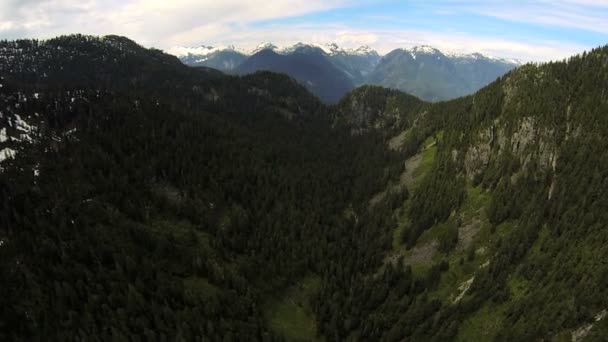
pixel 171 213
pixel 441 191
pixel 388 111
pixel 449 237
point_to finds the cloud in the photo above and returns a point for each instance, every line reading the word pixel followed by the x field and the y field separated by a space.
pixel 164 23
pixel 386 40
pixel 588 15
pixel 148 21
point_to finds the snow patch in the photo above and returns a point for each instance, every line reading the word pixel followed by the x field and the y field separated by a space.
pixel 423 49
pixel 582 332
pixel 70 132
pixel 25 129
pixel 7 153
pixel 464 287
pixel 364 51
pixel 333 49
pixel 3 136
pixel 264 46
pixel 202 51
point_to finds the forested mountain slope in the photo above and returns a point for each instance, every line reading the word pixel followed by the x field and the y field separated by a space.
pixel 511 200
pixel 172 207
pixel 146 200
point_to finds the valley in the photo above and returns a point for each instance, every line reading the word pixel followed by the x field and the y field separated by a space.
pixel 143 199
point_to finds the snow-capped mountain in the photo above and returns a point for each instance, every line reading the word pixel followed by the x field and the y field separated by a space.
pixel 263 46
pixel 430 74
pixel 477 56
pixel 423 70
pixel 224 58
pixel 354 63
pixel 203 50
pixel 309 65
pixel 334 49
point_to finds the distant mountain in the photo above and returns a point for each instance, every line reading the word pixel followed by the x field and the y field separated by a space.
pixel 356 63
pixel 308 64
pixel 422 71
pixel 221 58
pixel 432 75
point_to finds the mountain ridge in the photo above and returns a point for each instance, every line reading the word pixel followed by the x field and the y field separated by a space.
pixel 413 70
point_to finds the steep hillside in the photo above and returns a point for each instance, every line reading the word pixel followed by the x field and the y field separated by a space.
pixel 506 210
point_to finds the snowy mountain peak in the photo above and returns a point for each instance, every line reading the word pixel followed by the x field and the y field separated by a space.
pixel 201 51
pixel 302 48
pixel 264 46
pixel 479 56
pixel 423 49
pixel 333 49
pixel 365 50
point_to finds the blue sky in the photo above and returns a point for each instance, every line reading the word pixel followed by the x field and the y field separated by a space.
pixel 529 30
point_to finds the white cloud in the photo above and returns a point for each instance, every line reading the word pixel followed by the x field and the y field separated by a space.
pixel 160 22
pixel 589 15
pixel 386 40
pixel 166 23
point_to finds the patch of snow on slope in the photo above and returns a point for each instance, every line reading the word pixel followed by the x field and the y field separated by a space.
pixel 330 49
pixel 3 136
pixel 25 129
pixel 364 51
pixel 464 287
pixel 582 332
pixel 7 153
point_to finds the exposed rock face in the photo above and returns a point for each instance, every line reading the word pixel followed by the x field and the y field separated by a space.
pixel 363 115
pixel 526 141
pixel 387 111
pixel 477 156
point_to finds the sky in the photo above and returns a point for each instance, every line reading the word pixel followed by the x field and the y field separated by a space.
pixel 539 30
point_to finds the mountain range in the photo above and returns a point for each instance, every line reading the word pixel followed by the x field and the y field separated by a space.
pixel 422 71
pixel 145 200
